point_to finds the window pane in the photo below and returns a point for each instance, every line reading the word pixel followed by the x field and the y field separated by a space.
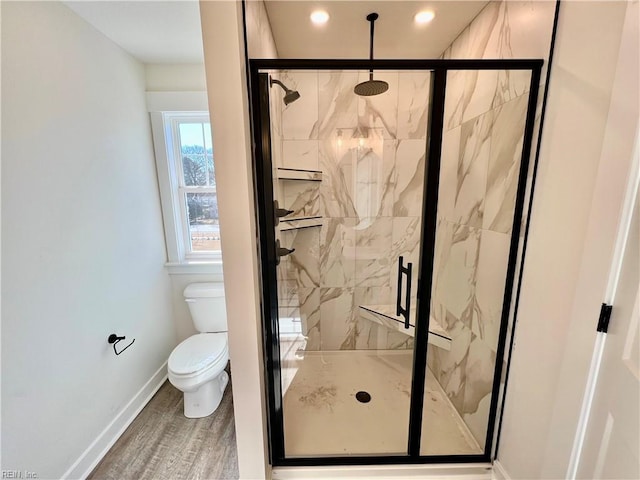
pixel 204 230
pixel 197 154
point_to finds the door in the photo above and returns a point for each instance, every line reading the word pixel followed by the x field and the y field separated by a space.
pixel 611 449
pixel 347 180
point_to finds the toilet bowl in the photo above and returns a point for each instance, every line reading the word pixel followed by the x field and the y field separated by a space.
pixel 197 365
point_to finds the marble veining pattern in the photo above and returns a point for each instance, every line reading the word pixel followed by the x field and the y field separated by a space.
pixel 482 146
pixel 372 155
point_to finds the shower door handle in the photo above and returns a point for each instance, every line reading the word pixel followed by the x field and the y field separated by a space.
pixel 282 252
pixel 404 312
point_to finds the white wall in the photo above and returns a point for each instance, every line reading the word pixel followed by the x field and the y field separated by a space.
pixel 83 248
pixel 547 377
pixel 228 102
pixel 188 77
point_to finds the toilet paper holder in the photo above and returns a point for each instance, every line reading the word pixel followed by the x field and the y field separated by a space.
pixel 115 339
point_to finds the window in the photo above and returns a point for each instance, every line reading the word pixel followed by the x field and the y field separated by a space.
pixel 186 172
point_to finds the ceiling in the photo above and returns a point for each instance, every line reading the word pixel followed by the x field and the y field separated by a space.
pixel 158 31
pixel 152 31
pixel 346 34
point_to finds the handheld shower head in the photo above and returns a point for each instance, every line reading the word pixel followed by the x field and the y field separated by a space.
pixel 290 96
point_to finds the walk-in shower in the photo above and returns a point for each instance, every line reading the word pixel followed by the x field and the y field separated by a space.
pixel 389 231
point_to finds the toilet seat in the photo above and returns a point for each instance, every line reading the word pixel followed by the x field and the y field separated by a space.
pixel 197 354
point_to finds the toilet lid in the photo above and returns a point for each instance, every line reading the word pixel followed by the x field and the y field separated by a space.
pixel 197 353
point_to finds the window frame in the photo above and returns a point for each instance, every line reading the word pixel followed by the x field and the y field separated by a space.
pixel 173 191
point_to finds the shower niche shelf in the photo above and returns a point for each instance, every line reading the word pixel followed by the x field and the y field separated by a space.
pixel 298 174
pixel 385 315
pixel 296 223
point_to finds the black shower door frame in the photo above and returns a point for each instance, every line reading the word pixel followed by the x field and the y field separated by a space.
pixel 263 184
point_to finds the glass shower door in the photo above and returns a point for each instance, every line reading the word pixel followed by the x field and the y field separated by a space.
pixel 348 176
pixel 477 226
pixel 391 237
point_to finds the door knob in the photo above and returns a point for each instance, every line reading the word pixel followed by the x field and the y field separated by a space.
pixel 282 252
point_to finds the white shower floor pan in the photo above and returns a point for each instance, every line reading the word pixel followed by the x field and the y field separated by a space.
pixel 322 416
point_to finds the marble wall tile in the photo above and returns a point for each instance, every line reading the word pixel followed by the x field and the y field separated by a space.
pixel 410 174
pixel 490 285
pixel 504 165
pixel 478 420
pixel 373 243
pixel 301 197
pixel 480 91
pixel 480 32
pixel 302 154
pixel 374 176
pixel 454 291
pixel 396 340
pixel 451 365
pixel 413 103
pixel 471 173
pixel 478 382
pixel 380 111
pixel 449 160
pixel 374 295
pixel 339 328
pixel 288 293
pixel 303 265
pixel 309 308
pixel 405 242
pixel 338 105
pixel 300 118
pixel 337 252
pixel 525 31
pixel 336 190
pixel 513 29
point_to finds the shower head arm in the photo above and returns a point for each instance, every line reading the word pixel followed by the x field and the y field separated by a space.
pixel 372 17
pixel 278 82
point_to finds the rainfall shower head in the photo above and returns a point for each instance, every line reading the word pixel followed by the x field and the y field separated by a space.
pixel 371 86
pixel 290 96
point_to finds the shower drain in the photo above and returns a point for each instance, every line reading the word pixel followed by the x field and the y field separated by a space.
pixel 363 397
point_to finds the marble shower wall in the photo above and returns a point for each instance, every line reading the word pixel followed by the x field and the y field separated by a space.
pixel 371 152
pixel 482 146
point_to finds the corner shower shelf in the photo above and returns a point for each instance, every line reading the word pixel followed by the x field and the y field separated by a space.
pixel 386 315
pixel 299 174
pixel 297 223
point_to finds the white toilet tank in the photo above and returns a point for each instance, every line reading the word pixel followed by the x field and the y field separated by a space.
pixel 207 307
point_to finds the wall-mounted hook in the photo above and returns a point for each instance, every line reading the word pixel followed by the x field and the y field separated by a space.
pixel 115 339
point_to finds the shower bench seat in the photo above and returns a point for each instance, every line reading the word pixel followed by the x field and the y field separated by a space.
pixel 385 315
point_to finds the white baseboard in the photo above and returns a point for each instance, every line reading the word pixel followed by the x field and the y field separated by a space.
pixel 101 445
pixel 499 473
pixel 386 472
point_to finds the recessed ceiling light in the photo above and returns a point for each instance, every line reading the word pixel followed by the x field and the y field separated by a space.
pixel 319 17
pixel 424 17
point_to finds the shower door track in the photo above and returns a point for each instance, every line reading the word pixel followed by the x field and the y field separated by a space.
pixel 261 152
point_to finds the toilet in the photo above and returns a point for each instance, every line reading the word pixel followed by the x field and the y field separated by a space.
pixel 197 365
